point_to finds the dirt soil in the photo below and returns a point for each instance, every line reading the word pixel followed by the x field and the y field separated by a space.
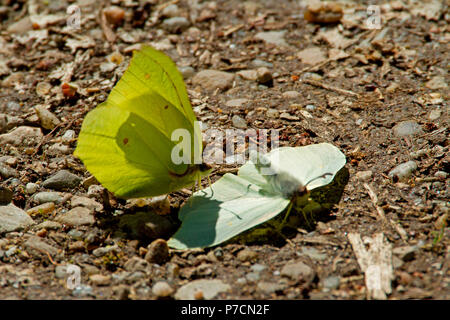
pixel 379 95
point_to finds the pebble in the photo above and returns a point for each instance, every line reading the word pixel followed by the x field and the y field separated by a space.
pixel 22 137
pixel 434 114
pixel 43 88
pixel 162 289
pixel 36 246
pixel 258 267
pixel 187 71
pixel 78 216
pixel 100 280
pixel 270 287
pixel 403 171
pixel 364 175
pixel 61 272
pixel 313 253
pixel 68 136
pixel 437 82
pixel 57 149
pixel 441 174
pixel 297 271
pixel 6 196
pixel 253 276
pixel 248 74
pixel 310 107
pixel 213 79
pixel 236 103
pixel 176 24
pixel 257 63
pixel 44 196
pixel 136 264
pixel 86 202
pixel 62 180
pixel 331 282
pixel 324 13
pixel 312 55
pixel 48 120
pixel 170 11
pixel 263 75
pixel 272 113
pixel 100 252
pixel 291 94
pixel 272 37
pixel 114 15
pixel 13 218
pixel 82 291
pixel 31 188
pixel 247 255
pixel 288 116
pixel 158 252
pixel 42 209
pixel 7 172
pixel 407 128
pixel 107 66
pixel 49 225
pixel 209 289
pixel 239 122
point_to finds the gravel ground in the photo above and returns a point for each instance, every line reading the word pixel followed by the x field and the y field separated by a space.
pixel 316 73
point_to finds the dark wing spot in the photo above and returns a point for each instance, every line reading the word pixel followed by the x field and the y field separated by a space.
pixel 165 107
pixel 125 140
pixel 147 76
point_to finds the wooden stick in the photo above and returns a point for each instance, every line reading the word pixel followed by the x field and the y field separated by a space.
pixel 331 88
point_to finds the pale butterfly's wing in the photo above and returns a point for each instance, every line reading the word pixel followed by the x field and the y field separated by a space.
pixel 229 207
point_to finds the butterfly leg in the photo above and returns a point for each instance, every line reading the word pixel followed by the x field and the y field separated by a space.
pixel 281 225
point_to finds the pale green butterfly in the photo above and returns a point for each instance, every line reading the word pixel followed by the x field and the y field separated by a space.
pixel 236 203
pixel 126 142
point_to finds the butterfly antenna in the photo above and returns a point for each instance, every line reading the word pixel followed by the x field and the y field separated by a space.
pixel 321 176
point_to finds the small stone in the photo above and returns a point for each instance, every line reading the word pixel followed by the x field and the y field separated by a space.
pixel 236 103
pixel 298 271
pixel 257 63
pixel 258 267
pixel 158 252
pixel 209 288
pixel 136 264
pixel 437 82
pixel 253 276
pixel 213 79
pixel 170 11
pixel 364 175
pixel 114 15
pixel 82 291
pixel 61 272
pixel 247 255
pixel 272 37
pixel 6 196
pixel 58 149
pixel 21 26
pixel 434 114
pixel 313 253
pixel 288 116
pixel 77 246
pixel 49 225
pixel 441 174
pixel 42 209
pixel 78 216
pixel 272 113
pixel 311 56
pixel 291 94
pixel 48 120
pixel 176 24
pixel 43 88
pixel 324 13
pixel 86 202
pixel 238 122
pixel 187 71
pixel 43 197
pixel 31 188
pixel 331 282
pixel 36 246
pixel 162 289
pixel 407 128
pixel 403 171
pixel 270 287
pixel 248 74
pixel 264 76
pixel 13 218
pixel 100 280
pixel 68 136
pixel 62 180
pixel 100 252
pixel 22 137
pixel 106 67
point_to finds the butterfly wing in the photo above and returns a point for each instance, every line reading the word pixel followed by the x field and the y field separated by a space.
pixel 229 207
pixel 126 141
